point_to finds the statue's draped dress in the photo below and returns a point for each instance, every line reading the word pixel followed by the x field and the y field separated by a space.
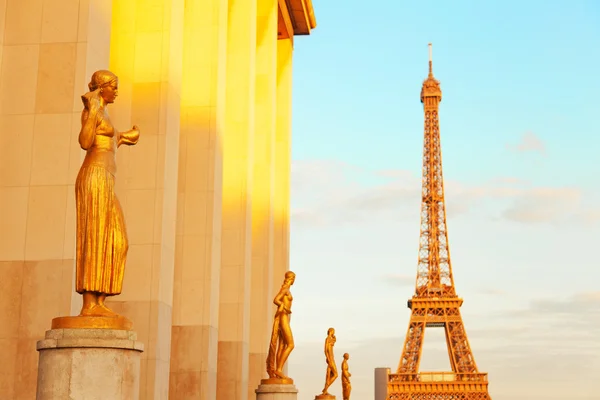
pixel 101 235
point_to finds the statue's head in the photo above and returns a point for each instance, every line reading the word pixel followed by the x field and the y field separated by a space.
pixel 107 83
pixel 330 332
pixel 346 356
pixel 290 278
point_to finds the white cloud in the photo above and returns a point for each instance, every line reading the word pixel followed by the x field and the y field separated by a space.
pixel 544 205
pixel 327 192
pixel 400 279
pixel 529 142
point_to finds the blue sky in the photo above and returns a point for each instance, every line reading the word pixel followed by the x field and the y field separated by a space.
pixel 520 134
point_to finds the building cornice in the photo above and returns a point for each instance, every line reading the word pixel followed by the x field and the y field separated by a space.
pixel 297 17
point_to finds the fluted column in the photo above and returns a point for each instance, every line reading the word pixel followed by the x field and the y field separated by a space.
pixel 236 239
pixel 263 190
pixel 146 54
pixel 283 160
pixel 198 245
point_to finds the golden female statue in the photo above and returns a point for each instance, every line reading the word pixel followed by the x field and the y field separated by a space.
pixel 101 236
pixel 331 374
pixel 282 340
pixel 346 386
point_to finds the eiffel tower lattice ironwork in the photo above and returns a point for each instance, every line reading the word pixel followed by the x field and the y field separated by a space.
pixel 435 303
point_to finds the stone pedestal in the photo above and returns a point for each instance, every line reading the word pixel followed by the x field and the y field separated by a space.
pixel 89 364
pixel 271 391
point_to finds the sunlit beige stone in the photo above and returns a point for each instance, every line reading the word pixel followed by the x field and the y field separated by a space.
pixel 236 245
pixel 48 51
pixel 263 190
pixel 91 364
pixel 276 392
pixel 193 364
pixel 146 52
pixel 283 159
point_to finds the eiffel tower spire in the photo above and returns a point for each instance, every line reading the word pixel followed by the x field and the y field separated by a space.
pixel 434 272
pixel 435 303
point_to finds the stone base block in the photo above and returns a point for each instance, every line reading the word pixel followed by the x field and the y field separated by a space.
pixel 276 392
pixel 89 364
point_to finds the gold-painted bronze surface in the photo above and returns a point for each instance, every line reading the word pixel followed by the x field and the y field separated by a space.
pixel 116 322
pixel 101 234
pixel 346 386
pixel 326 396
pixel 282 340
pixel 331 374
pixel 277 381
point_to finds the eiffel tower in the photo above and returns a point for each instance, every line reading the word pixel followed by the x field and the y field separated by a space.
pixel 435 303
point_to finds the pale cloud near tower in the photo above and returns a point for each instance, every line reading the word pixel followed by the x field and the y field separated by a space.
pixel 529 142
pixel 520 259
pixel 330 192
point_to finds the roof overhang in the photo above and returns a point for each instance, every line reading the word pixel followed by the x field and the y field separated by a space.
pixel 296 17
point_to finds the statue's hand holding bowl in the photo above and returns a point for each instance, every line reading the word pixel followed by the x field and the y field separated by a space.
pixel 136 129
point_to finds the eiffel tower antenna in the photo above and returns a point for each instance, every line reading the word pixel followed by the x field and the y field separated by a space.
pixel 435 303
pixel 430 61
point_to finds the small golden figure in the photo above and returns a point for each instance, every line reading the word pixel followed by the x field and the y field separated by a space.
pixel 101 235
pixel 282 340
pixel 346 386
pixel 331 374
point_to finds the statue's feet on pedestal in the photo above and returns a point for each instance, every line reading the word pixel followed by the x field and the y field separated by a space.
pixel 277 378
pixel 97 310
pixel 324 396
pixel 95 317
pixel 277 381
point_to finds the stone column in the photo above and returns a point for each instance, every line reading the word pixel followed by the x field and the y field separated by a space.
pixel 49 50
pixel 281 201
pixel 198 246
pixel 283 160
pixel 263 191
pixel 146 54
pixel 236 241
pixel 90 364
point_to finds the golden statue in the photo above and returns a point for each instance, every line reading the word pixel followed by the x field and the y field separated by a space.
pixel 331 374
pixel 101 235
pixel 282 340
pixel 346 386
